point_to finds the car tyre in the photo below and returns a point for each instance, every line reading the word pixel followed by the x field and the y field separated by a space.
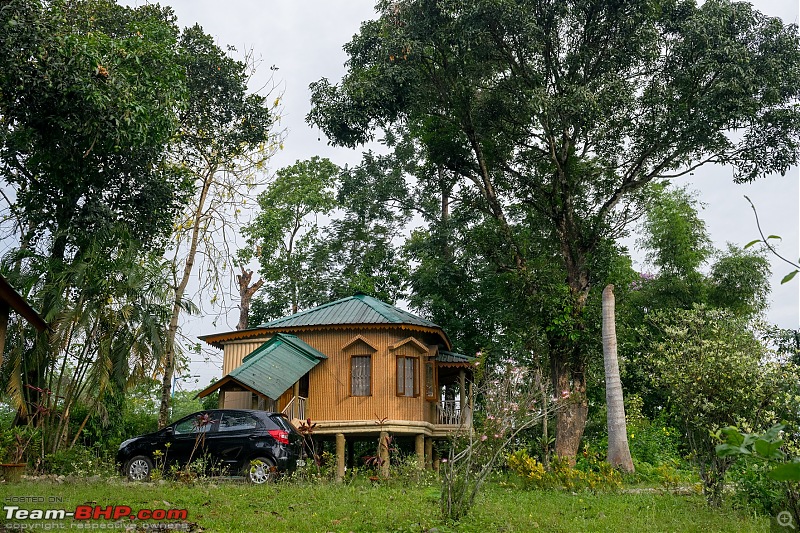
pixel 139 468
pixel 260 470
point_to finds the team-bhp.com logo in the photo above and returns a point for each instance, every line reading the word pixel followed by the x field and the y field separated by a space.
pixel 94 512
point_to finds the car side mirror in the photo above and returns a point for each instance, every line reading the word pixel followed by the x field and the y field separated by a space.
pixel 169 431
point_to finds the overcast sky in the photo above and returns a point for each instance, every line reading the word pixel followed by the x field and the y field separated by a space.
pixel 303 39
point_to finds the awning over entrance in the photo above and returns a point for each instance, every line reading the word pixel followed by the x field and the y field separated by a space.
pixel 452 359
pixel 272 368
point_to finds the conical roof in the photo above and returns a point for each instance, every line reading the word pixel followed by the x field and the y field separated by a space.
pixel 357 309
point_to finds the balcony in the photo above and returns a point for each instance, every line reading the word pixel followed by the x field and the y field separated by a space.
pixel 450 413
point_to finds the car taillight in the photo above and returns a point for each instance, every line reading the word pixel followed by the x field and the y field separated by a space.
pixel 280 435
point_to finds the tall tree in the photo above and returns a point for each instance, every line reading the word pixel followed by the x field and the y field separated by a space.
pixel 619 454
pixel 89 95
pixel 688 271
pixel 325 233
pixel 284 233
pixel 559 113
pixel 88 99
pixel 225 141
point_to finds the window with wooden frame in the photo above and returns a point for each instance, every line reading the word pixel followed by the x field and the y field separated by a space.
pixel 361 375
pixel 407 376
pixel 430 380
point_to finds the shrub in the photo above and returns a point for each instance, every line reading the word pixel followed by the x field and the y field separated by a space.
pixel 651 441
pixel 314 470
pixel 78 461
pixel 405 470
pixel 590 474
pixel 716 373
pixel 754 489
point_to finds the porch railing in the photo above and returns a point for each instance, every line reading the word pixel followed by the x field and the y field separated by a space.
pixel 450 413
pixel 296 408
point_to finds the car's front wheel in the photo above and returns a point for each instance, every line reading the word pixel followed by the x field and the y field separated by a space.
pixel 139 468
pixel 260 470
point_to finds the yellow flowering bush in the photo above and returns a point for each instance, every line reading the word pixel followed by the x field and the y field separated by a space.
pixel 599 475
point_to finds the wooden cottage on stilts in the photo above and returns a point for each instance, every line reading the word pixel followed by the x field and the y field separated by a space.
pixel 359 368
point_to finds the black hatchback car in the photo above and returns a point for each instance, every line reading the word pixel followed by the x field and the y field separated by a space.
pixel 257 444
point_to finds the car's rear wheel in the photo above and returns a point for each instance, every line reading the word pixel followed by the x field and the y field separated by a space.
pixel 260 470
pixel 139 468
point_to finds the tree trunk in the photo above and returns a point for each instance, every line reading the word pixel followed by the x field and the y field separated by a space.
pixel 568 363
pixel 169 364
pixel 570 388
pixel 180 290
pixel 246 292
pixel 4 309
pixel 619 454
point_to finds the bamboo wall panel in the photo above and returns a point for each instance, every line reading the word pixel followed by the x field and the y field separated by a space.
pixel 234 352
pixel 329 382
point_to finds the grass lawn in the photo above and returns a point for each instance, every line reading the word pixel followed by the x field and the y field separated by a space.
pixel 359 506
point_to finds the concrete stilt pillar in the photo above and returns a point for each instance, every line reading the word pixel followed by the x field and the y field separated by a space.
pixel 383 453
pixel 435 457
pixel 340 445
pixel 429 453
pixel 419 446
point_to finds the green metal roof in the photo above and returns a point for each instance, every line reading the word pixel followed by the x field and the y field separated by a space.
pixel 358 309
pixel 451 357
pixel 276 365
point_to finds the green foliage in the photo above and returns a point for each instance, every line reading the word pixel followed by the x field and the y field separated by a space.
pixel 79 461
pixel 20 444
pixel 88 99
pixel 107 332
pixel 284 235
pixel 674 235
pixel 669 475
pixel 184 403
pixel 104 429
pixel 305 262
pixel 405 471
pixel 715 373
pixel 654 442
pixel 760 483
pixel 90 96
pixel 221 120
pixel 753 488
pixel 211 401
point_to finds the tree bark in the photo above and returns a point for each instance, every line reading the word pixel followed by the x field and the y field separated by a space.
pixel 570 389
pixel 619 454
pixel 568 362
pixel 246 292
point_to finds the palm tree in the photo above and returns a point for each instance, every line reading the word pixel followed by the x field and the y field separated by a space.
pixel 109 310
pixel 619 454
